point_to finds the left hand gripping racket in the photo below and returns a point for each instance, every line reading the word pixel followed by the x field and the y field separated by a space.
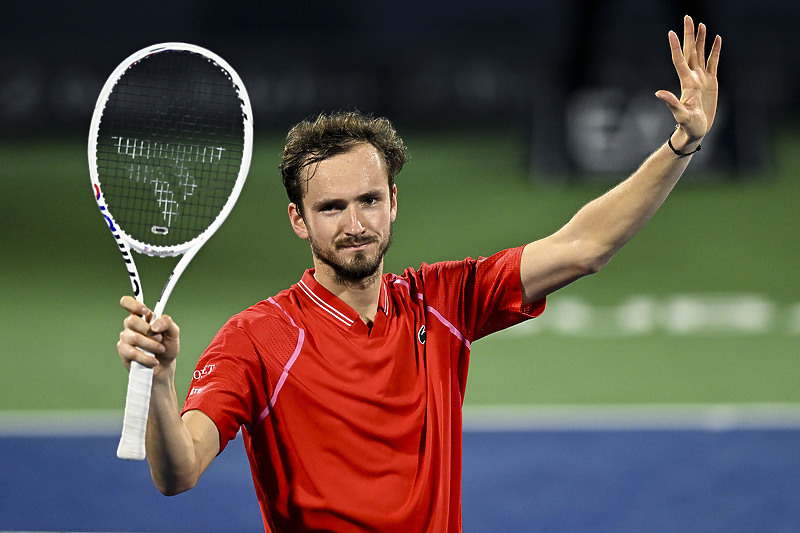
pixel 170 144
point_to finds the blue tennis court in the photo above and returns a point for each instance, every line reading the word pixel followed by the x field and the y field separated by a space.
pixel 557 478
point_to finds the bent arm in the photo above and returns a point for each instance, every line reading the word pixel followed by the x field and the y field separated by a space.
pixel 179 449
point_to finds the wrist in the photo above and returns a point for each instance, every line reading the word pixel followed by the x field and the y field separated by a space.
pixel 164 374
pixel 682 144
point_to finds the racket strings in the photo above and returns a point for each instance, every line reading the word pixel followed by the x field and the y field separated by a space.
pixel 170 147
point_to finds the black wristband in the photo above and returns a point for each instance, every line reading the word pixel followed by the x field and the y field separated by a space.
pixel 680 154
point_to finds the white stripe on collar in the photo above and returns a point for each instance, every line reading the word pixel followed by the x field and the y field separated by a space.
pixel 335 313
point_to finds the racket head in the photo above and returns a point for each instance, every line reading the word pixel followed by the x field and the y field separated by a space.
pixel 170 145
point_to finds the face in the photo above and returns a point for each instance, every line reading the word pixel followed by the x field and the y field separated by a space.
pixel 348 211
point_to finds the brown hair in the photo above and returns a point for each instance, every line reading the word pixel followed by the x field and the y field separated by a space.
pixel 309 143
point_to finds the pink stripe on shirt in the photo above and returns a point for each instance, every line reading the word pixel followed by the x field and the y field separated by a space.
pixel 460 336
pixel 285 374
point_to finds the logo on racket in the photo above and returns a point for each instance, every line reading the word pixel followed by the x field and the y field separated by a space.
pixel 123 248
pixel 169 168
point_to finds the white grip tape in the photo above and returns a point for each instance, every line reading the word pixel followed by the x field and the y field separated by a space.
pixel 137 405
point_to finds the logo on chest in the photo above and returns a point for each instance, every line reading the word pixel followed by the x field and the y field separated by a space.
pixel 421 335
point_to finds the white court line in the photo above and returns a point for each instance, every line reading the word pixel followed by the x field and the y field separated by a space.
pixel 60 423
pixel 482 418
pixel 711 417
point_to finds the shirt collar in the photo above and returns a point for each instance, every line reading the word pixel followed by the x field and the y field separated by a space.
pixel 332 305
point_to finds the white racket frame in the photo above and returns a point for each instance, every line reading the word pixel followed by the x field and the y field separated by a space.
pixel 140 379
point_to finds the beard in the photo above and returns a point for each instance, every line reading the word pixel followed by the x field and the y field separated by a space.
pixel 361 266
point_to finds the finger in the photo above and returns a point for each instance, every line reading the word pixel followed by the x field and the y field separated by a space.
pixel 128 352
pixel 700 45
pixel 134 306
pixel 678 58
pixel 689 50
pixel 136 324
pixel 713 59
pixel 150 343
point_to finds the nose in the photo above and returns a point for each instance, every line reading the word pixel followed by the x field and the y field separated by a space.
pixel 353 222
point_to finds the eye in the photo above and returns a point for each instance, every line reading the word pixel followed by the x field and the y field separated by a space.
pixel 329 207
pixel 370 200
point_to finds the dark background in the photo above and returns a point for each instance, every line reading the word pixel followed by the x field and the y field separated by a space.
pixel 574 78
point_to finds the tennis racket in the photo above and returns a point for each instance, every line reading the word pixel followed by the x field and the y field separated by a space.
pixel 170 144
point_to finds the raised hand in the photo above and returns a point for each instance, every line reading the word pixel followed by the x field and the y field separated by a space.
pixel 695 110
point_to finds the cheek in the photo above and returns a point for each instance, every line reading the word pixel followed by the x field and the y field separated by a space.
pixel 318 231
pixel 389 217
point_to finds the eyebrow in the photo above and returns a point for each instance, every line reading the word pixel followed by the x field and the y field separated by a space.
pixel 332 201
pixel 375 193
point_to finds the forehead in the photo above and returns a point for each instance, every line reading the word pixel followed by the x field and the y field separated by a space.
pixel 350 173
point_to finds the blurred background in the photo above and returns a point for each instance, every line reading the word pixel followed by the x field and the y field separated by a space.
pixel 515 114
pixel 575 77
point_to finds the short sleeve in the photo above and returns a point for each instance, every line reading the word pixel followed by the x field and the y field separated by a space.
pixel 498 288
pixel 479 296
pixel 225 385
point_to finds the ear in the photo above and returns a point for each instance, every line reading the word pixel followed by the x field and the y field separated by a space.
pixel 297 222
pixel 394 202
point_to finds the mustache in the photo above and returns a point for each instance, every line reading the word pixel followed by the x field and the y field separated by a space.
pixel 354 241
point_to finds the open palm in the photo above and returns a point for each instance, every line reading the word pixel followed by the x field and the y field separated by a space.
pixel 695 110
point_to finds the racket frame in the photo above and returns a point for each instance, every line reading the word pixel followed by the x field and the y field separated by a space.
pixel 140 378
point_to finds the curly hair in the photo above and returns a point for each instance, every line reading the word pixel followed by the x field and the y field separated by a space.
pixel 309 143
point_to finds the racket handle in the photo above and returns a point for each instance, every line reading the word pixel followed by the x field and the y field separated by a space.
pixel 137 406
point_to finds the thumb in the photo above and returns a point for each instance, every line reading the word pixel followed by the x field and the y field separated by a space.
pixel 165 326
pixel 675 105
pixel 166 332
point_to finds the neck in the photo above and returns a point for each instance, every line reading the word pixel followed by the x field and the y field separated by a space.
pixel 361 295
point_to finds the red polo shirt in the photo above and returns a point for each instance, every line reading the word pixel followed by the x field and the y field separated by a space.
pixel 354 429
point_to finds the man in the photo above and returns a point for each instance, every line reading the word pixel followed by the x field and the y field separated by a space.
pixel 348 385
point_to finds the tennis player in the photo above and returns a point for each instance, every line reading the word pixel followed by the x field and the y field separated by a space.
pixel 348 386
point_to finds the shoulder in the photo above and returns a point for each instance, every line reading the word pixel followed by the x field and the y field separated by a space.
pixel 428 271
pixel 264 334
pixel 270 317
pixel 449 271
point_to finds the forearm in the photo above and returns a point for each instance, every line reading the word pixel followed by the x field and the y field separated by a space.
pixel 170 447
pixel 604 225
pixel 601 228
